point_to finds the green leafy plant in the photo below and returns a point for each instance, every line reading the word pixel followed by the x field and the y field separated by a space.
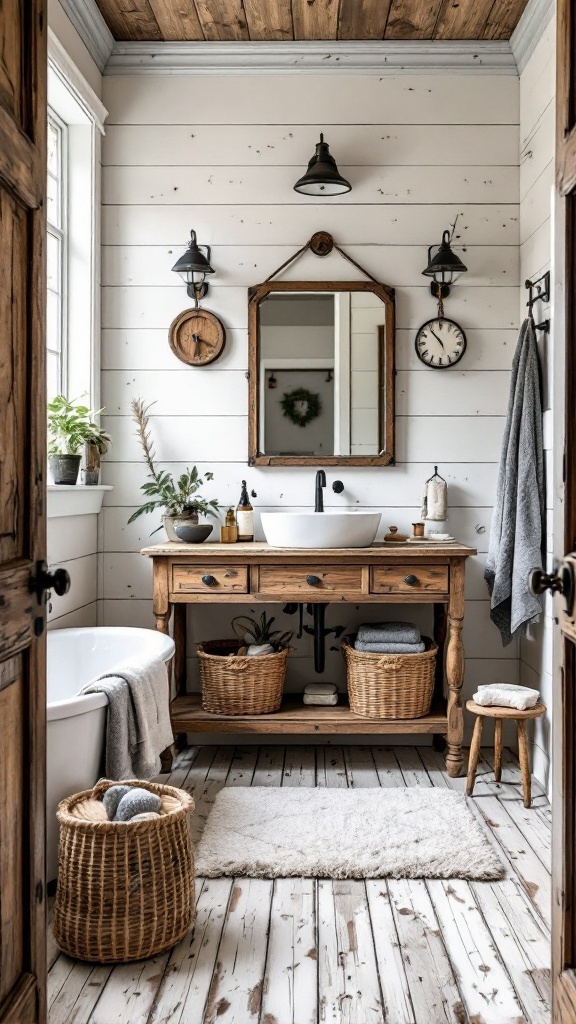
pixel 259 631
pixel 177 496
pixel 71 426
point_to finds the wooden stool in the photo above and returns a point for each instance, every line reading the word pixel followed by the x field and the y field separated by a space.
pixel 498 713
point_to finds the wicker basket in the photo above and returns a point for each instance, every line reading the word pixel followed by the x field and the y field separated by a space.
pixel 390 685
pixel 234 684
pixel 125 889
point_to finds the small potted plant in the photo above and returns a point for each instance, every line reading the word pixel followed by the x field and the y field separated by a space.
pixel 96 444
pixel 70 427
pixel 245 676
pixel 178 497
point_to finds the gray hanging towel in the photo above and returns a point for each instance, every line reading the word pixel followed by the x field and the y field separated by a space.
pixel 519 511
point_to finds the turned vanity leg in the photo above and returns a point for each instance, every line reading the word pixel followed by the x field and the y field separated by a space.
pixel 162 610
pixel 180 611
pixel 440 628
pixel 455 670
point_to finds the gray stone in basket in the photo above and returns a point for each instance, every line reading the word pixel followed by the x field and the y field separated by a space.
pixel 137 801
pixel 112 798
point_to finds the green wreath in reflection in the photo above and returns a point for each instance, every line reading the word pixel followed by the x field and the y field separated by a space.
pixel 301 406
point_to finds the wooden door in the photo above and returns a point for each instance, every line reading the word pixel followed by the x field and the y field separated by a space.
pixel 562 583
pixel 22 509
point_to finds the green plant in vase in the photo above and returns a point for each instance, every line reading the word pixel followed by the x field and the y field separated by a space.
pixel 71 428
pixel 177 496
pixel 258 636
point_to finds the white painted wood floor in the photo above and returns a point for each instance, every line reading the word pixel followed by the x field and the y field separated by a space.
pixel 296 951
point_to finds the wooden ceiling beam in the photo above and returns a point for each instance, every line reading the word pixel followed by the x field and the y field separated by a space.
pixel 412 19
pixel 363 19
pixel 222 19
pixel 503 18
pixel 315 19
pixel 130 19
pixel 462 19
pixel 177 19
pixel 269 20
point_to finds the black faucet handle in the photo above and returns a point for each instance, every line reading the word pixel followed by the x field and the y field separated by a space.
pixel 337 487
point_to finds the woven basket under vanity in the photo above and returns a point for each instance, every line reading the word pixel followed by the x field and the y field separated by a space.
pixel 125 889
pixel 390 685
pixel 234 684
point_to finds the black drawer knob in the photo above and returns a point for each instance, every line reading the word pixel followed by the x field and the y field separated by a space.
pixel 313 581
pixel 209 581
pixel 411 580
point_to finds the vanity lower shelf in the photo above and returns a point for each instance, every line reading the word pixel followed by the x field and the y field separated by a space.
pixel 295 718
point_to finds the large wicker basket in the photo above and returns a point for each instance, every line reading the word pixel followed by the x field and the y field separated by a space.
pixel 237 685
pixel 125 889
pixel 390 685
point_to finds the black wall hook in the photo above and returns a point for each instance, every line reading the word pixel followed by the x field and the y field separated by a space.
pixel 539 291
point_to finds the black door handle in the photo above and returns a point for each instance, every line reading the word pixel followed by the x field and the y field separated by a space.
pixel 42 581
pixel 209 581
pixel 412 581
pixel 561 582
pixel 313 581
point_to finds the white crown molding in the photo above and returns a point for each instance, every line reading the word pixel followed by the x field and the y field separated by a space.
pixel 84 92
pixel 530 30
pixel 91 28
pixel 351 57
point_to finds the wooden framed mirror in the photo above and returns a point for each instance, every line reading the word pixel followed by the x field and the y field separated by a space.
pixel 321 370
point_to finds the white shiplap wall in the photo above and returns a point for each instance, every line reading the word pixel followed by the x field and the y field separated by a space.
pixel 221 154
pixel 72 544
pixel 537 139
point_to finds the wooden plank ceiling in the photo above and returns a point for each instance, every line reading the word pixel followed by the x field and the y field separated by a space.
pixel 311 19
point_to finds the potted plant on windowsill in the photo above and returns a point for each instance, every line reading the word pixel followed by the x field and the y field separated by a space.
pixel 178 497
pixel 96 444
pixel 70 428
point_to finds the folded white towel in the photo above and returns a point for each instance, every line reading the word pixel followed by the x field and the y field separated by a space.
pixel 506 695
pixel 325 688
pixel 321 698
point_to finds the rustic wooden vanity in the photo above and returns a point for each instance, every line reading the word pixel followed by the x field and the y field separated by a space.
pixel 187 574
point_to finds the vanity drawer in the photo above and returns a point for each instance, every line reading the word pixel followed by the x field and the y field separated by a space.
pixel 409 579
pixel 220 579
pixel 331 580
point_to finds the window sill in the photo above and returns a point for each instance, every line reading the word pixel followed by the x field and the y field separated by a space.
pixel 75 499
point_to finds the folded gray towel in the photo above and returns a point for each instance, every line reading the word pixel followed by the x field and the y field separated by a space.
pixel 381 648
pixel 389 633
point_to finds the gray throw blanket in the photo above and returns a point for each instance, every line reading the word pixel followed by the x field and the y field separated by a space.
pixel 384 648
pixel 389 633
pixel 138 722
pixel 518 519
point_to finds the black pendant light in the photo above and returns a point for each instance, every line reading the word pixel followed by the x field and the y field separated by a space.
pixel 193 266
pixel 443 267
pixel 322 177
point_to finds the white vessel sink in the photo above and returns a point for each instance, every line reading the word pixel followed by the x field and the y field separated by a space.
pixel 320 529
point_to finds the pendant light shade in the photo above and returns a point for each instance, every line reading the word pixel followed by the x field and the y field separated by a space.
pixel 322 177
pixel 193 266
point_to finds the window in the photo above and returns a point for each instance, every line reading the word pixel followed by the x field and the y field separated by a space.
pixel 57 257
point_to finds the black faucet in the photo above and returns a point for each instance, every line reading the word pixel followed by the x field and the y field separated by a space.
pixel 320 483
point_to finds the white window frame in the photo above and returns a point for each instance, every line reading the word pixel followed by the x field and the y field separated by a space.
pixel 61 233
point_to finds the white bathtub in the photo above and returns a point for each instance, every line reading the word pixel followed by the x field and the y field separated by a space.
pixel 76 724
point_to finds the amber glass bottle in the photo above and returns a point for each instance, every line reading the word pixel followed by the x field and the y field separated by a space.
pixel 245 516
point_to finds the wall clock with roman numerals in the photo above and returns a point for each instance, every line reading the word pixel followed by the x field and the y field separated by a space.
pixel 440 343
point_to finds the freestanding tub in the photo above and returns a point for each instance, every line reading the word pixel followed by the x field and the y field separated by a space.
pixel 76 724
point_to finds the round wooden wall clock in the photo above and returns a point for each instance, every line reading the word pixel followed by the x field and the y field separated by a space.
pixel 197 337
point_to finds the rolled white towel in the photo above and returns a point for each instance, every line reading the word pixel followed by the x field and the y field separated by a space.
pixel 321 698
pixel 325 688
pixel 506 695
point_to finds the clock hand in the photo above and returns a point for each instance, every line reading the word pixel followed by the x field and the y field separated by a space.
pixel 437 338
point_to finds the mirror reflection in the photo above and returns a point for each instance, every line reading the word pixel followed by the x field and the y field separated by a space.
pixel 322 374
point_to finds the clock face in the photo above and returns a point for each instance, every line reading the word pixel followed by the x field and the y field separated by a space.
pixel 197 337
pixel 440 343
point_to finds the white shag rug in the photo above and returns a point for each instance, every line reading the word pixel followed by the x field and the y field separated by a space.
pixel 267 832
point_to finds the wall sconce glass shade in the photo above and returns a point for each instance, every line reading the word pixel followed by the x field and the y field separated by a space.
pixel 443 267
pixel 193 266
pixel 322 177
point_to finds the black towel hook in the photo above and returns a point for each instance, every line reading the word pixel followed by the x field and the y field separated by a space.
pixel 539 291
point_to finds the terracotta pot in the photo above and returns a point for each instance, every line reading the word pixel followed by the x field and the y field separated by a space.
pixel 91 470
pixel 65 468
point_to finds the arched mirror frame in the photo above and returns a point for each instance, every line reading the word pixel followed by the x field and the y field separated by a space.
pixel 387 371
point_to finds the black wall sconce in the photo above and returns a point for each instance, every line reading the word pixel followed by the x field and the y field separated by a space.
pixel 322 177
pixel 443 267
pixel 193 266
